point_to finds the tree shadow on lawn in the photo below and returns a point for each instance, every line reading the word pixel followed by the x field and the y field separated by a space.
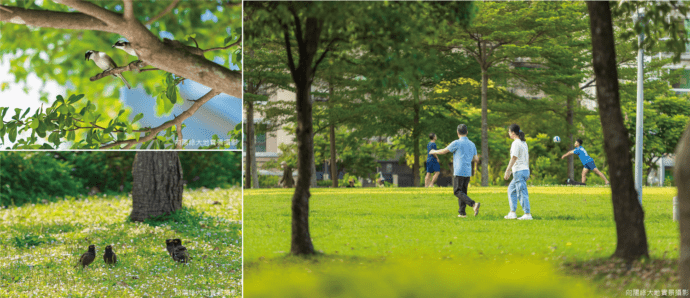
pixel 616 275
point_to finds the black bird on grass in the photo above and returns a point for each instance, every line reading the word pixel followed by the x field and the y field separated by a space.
pixel 109 256
pixel 88 257
pixel 180 254
pixel 169 246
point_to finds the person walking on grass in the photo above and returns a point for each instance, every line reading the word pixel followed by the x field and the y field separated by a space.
pixel 586 160
pixel 433 164
pixel 519 167
pixel 464 152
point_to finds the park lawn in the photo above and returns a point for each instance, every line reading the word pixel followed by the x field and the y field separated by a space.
pixel 381 234
pixel 209 224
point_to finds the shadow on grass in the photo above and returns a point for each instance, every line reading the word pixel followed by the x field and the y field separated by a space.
pixel 616 275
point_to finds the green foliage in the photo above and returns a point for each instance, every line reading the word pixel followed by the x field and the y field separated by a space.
pixel 266 181
pixel 29 240
pixel 29 177
pixel 211 169
pixel 355 155
pixel 58 55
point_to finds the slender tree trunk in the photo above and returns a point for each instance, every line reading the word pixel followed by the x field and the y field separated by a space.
pixel 302 76
pixel 415 137
pixel 157 184
pixel 485 127
pixel 569 118
pixel 334 166
pixel 255 172
pixel 331 131
pixel 627 211
pixel 682 176
pixel 251 149
pixel 312 180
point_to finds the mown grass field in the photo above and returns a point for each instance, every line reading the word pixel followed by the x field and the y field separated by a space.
pixel 381 236
pixel 41 244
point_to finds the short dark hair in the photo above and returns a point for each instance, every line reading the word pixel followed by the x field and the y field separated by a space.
pixel 431 136
pixel 579 141
pixel 462 129
pixel 516 130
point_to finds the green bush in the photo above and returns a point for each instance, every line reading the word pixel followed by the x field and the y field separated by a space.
pixel 266 181
pixel 211 169
pixel 412 279
pixel 29 177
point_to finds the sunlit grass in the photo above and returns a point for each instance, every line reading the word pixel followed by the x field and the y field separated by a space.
pixel 386 226
pixel 209 226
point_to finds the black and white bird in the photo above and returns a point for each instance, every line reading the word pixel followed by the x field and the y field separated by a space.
pixel 125 46
pixel 104 62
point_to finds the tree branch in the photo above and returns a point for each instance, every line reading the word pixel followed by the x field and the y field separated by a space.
pixel 107 16
pixel 52 19
pixel 129 9
pixel 132 66
pixel 239 41
pixel 178 144
pixel 176 121
pixel 164 12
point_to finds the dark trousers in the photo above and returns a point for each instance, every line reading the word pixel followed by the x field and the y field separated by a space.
pixel 460 190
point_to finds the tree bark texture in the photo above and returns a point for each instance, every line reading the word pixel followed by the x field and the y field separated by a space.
pixel 682 176
pixel 248 165
pixel 485 127
pixel 308 43
pixel 627 211
pixel 331 131
pixel 157 186
pixel 415 137
pixel 571 159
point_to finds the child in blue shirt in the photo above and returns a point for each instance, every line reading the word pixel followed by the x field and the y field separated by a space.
pixel 586 160
pixel 433 166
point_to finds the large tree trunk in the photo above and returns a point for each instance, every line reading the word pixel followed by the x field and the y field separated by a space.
pixel 485 127
pixel 627 211
pixel 569 117
pixel 415 137
pixel 251 149
pixel 334 165
pixel 303 76
pixel 682 176
pixel 157 186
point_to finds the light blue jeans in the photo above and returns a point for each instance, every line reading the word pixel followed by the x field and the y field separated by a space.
pixel 517 190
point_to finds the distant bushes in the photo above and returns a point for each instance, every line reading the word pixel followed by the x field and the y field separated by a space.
pixel 30 177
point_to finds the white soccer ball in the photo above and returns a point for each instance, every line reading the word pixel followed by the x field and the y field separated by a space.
pixel 557 139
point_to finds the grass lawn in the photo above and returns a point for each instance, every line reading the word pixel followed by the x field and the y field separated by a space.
pixel 381 237
pixel 41 244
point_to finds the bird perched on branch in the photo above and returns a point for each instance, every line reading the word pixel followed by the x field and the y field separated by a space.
pixel 180 254
pixel 88 257
pixel 109 256
pixel 125 46
pixel 104 62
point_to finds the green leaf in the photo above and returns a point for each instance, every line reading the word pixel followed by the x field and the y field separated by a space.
pixel 74 98
pixel 34 123
pixel 26 112
pixel 13 134
pixel 137 118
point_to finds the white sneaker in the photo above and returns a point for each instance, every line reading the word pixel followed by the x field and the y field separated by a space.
pixel 526 217
pixel 511 215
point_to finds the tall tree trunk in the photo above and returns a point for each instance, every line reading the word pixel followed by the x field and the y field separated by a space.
pixel 249 142
pixel 302 76
pixel 255 172
pixel 331 131
pixel 627 211
pixel 682 176
pixel 312 180
pixel 415 137
pixel 157 184
pixel 569 117
pixel 485 127
pixel 334 165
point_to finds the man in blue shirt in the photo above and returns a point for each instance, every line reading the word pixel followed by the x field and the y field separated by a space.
pixel 586 160
pixel 464 152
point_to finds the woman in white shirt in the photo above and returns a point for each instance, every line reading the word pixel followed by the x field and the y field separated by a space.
pixel 519 167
